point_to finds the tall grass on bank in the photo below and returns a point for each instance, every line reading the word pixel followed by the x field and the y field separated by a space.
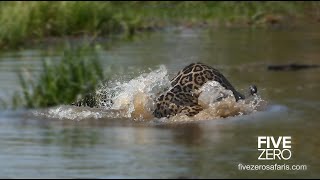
pixel 22 22
pixel 78 73
pixel 27 21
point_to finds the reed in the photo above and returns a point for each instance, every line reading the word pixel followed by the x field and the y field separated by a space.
pixel 61 82
pixel 22 22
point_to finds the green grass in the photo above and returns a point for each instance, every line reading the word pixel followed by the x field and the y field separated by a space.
pixel 23 22
pixel 61 82
pixel 78 74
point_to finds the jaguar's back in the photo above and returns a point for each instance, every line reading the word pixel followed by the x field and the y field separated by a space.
pixel 182 96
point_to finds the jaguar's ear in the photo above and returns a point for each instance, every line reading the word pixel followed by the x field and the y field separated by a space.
pixel 253 89
pixel 238 95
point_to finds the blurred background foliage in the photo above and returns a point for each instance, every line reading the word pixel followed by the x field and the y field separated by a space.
pixel 79 70
pixel 28 21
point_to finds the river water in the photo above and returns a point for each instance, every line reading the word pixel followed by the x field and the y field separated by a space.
pixel 79 142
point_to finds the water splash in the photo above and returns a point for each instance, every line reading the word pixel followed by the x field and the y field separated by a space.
pixel 136 96
pixel 134 99
pixel 65 112
pixel 219 102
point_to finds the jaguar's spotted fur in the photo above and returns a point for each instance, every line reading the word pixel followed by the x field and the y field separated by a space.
pixel 182 96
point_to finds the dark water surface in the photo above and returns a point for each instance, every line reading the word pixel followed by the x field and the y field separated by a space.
pixel 34 146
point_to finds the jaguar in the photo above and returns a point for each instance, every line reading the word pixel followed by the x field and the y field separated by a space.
pixel 182 96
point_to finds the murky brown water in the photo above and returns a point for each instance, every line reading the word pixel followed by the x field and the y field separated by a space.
pixel 34 146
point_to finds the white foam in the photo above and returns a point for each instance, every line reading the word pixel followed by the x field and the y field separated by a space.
pixel 143 88
pixel 134 99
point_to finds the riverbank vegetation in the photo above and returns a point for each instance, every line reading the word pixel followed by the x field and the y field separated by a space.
pixel 61 82
pixel 26 22
pixel 79 70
